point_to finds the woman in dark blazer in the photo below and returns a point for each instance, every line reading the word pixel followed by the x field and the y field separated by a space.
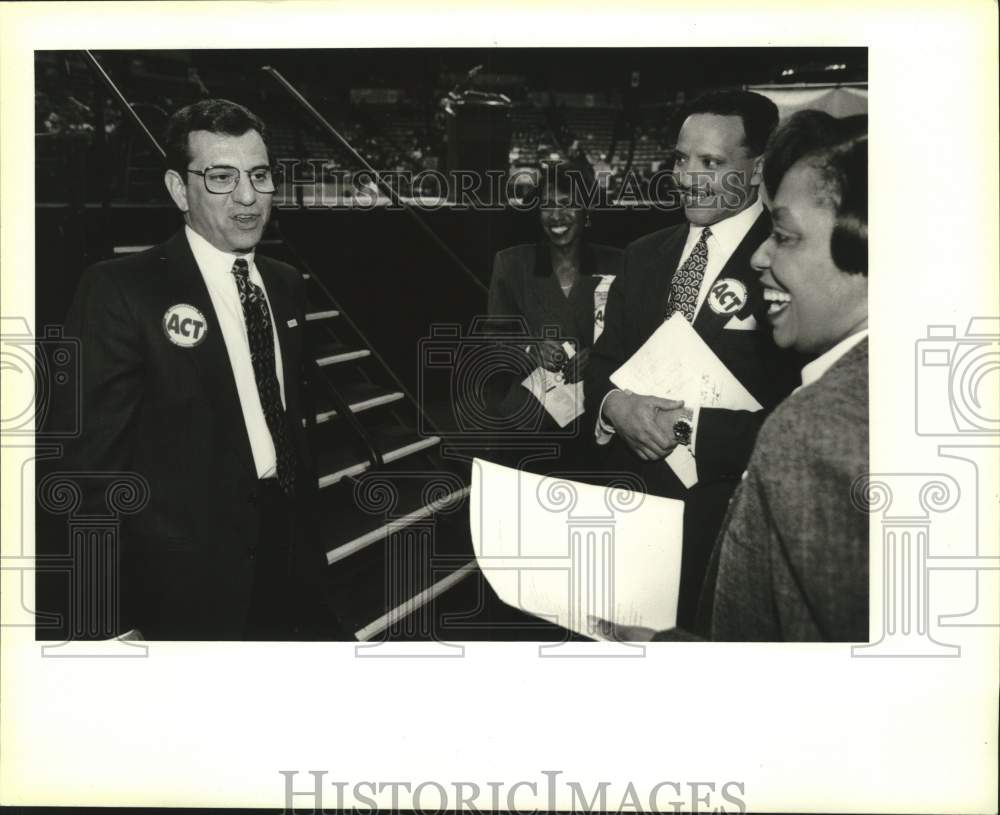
pixel 554 291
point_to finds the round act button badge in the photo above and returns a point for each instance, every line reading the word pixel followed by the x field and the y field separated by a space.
pixel 727 296
pixel 184 325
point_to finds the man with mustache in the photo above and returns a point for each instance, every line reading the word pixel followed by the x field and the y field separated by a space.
pixel 191 367
pixel 700 269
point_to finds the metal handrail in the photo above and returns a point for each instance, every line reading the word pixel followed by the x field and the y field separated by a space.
pixel 302 263
pixel 376 175
pixel 126 105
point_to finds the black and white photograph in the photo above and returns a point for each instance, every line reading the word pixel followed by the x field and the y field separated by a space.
pixel 487 384
pixel 526 220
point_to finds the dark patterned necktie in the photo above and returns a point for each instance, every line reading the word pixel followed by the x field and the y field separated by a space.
pixel 258 320
pixel 687 282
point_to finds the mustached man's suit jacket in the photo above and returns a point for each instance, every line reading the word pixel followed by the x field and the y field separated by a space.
pixel 637 306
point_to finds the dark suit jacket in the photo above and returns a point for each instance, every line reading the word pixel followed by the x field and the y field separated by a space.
pixel 172 415
pixel 636 308
pixel 792 561
pixel 524 284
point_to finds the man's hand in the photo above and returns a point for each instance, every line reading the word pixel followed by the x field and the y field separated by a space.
pixel 636 420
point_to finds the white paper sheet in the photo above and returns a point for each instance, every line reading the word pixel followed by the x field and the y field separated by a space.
pixel 566 551
pixel 675 363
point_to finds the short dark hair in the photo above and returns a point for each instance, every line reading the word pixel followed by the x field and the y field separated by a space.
pixel 837 149
pixel 574 177
pixel 215 116
pixel 758 114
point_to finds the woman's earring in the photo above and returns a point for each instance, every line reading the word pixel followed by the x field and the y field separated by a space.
pixel 586 220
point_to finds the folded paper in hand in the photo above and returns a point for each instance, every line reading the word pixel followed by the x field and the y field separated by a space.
pixel 675 363
pixel 570 552
pixel 562 401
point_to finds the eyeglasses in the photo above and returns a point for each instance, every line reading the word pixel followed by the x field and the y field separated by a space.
pixel 221 180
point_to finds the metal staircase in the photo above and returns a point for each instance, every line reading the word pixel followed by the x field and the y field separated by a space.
pixel 380 478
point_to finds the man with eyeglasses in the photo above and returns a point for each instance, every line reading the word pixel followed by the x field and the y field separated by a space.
pixel 192 364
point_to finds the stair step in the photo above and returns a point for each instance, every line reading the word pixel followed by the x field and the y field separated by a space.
pixel 360 396
pixel 418 601
pixel 398 523
pixel 355 509
pixel 341 455
pixel 471 611
pixel 387 575
pixel 409 449
pixel 335 353
pixel 322 314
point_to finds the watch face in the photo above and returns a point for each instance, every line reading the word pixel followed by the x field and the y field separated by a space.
pixel 682 431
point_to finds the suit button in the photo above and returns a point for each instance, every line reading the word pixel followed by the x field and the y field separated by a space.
pixel 253 497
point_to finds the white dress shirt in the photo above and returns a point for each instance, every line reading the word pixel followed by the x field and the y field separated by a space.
pixel 823 363
pixel 726 235
pixel 217 271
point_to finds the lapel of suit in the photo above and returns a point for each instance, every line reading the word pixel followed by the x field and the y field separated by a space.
pixel 211 359
pixel 282 309
pixel 708 323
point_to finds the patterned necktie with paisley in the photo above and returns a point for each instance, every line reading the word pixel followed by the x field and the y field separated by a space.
pixel 687 282
pixel 258 320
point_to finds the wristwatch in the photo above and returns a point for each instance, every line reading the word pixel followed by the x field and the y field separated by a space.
pixel 682 432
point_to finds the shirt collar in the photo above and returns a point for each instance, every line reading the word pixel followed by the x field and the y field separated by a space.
pixel 731 231
pixel 823 363
pixel 209 258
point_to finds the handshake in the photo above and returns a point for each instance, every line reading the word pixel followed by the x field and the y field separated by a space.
pixel 651 426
